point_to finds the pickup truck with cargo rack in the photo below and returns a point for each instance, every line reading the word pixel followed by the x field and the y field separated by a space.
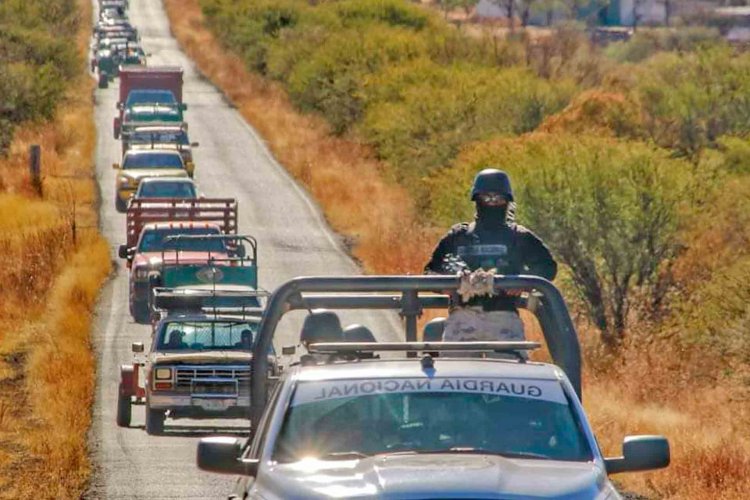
pixel 149 221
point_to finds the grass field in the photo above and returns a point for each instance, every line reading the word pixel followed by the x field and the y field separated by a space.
pixel 55 262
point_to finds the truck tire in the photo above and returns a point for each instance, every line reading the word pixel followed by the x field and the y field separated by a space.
pixel 121 206
pixel 123 408
pixel 154 421
pixel 141 312
pixel 103 80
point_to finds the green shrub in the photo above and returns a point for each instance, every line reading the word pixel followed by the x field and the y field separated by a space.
pixel 647 42
pixel 392 12
pixel 609 210
pixel 692 99
pixel 330 80
pixel 429 113
pixel 38 57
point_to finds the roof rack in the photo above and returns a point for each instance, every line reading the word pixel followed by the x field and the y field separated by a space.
pixel 409 296
pixel 348 347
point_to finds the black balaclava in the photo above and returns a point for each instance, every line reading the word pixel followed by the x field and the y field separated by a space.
pixel 491 217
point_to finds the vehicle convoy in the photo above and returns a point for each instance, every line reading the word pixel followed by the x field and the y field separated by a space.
pixel 139 165
pixel 146 240
pixel 160 136
pixel 164 108
pixel 197 365
pixel 430 423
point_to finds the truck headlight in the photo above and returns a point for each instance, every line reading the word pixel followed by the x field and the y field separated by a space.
pixel 163 374
pixel 141 273
pixel 125 181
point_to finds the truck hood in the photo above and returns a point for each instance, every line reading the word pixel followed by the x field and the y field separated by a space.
pixel 183 257
pixel 203 357
pixel 434 476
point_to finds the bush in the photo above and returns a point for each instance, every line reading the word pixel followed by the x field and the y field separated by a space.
pixel 330 80
pixel 608 210
pixel 416 88
pixel 38 58
pixel 429 113
pixel 692 99
pixel 647 42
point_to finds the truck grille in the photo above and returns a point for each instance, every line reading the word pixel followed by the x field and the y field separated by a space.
pixel 185 375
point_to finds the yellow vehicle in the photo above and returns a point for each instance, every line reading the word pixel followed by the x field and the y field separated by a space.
pixel 138 165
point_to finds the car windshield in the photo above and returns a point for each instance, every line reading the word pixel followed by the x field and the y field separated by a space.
pixel 150 97
pixel 171 189
pixel 152 160
pixel 203 335
pixel 153 240
pixel 511 417
pixel 159 137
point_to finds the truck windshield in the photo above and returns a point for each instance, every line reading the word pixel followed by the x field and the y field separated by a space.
pixel 158 137
pixel 153 160
pixel 153 240
pixel 202 335
pixel 150 97
pixel 509 417
pixel 166 189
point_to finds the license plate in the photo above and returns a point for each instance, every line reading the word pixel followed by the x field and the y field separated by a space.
pixel 215 404
pixel 215 388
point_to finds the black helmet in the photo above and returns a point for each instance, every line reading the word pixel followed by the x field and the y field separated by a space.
pixel 492 180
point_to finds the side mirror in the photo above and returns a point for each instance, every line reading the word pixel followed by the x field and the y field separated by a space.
pixel 119 105
pixel 194 144
pixel 183 106
pixel 116 166
pixel 136 347
pixel 240 251
pixel 122 252
pixel 640 453
pixel 222 455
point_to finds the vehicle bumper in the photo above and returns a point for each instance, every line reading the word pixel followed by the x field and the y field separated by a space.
pixel 187 406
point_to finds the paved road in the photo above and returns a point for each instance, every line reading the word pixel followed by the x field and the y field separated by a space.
pixel 293 240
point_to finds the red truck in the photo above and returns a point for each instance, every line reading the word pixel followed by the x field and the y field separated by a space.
pixel 149 94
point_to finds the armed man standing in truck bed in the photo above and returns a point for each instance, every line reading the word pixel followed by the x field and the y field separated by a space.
pixel 492 243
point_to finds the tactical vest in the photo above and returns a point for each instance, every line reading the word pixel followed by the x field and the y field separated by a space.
pixel 493 248
pixel 489 248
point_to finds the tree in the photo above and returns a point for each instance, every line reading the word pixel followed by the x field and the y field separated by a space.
pixel 525 8
pixel 608 210
pixel 509 6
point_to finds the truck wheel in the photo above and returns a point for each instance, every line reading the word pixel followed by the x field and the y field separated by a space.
pixel 103 80
pixel 123 408
pixel 154 421
pixel 121 206
pixel 141 312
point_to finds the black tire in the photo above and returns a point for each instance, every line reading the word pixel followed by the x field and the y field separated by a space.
pixel 141 312
pixel 121 206
pixel 123 408
pixel 103 80
pixel 154 421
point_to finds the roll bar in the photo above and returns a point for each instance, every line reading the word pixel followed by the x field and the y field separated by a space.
pixel 402 293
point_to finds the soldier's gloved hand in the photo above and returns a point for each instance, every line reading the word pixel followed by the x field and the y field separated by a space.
pixel 476 283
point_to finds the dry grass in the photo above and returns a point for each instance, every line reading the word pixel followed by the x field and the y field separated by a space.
pixel 652 386
pixel 55 262
pixel 378 217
